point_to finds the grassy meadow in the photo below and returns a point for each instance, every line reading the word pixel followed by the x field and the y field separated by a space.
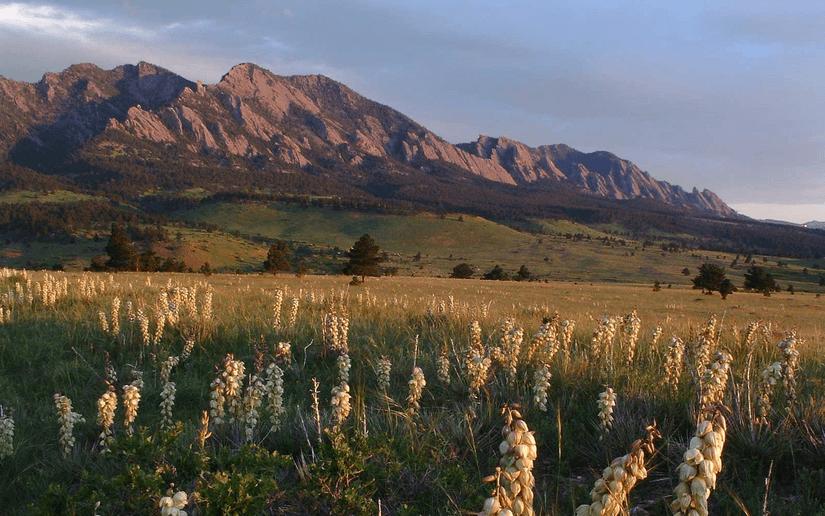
pixel 81 335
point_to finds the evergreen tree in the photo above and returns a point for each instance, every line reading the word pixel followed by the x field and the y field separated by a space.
pixel 462 271
pixel 757 278
pixel 121 251
pixel 710 278
pixel 496 273
pixel 726 288
pixel 523 273
pixel 277 257
pixel 364 257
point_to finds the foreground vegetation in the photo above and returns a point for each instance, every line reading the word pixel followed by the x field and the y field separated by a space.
pixel 408 393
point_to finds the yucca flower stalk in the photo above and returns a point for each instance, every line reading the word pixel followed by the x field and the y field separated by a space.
pixel 217 400
pixel 343 364
pixel 511 350
pixel 232 377
pixel 340 405
pixel 703 347
pixel 751 334
pixel 544 345
pixel 167 393
pixel 443 366
pixel 566 331
pixel 609 496
pixel 103 321
pixel 606 403
pixel 275 395
pixel 658 331
pixel 383 370
pixel 106 407
pixel 67 419
pixel 416 383
pixel 477 366
pixel 131 403
pixel 276 309
pixel 293 312
pixel 541 385
pixel 674 362
pixel 143 323
pixel 631 327
pixel 6 434
pixel 283 354
pixel 513 493
pixel 601 344
pixel 114 327
pixel 700 467
pixel 335 330
pixel 173 504
pixel 790 366
pixel 252 400
pixel 715 380
pixel 771 375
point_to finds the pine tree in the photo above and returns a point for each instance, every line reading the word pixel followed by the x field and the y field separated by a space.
pixel 462 271
pixel 364 257
pixel 277 258
pixel 710 277
pixel 121 251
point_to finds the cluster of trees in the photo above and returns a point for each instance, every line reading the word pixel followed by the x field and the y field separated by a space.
pixel 364 259
pixel 465 271
pixel 712 278
pixel 122 254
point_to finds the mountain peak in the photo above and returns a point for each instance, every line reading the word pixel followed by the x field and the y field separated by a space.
pixel 243 71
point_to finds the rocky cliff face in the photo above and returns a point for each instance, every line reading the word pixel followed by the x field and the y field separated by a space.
pixel 298 121
pixel 600 173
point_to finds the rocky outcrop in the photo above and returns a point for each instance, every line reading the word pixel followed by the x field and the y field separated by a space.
pixel 599 173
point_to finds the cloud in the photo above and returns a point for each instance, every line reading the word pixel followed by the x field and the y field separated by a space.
pixel 60 22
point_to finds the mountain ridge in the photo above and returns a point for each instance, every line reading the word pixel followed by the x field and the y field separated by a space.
pixel 253 117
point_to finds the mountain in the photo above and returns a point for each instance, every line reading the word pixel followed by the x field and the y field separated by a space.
pixel 600 173
pixel 80 121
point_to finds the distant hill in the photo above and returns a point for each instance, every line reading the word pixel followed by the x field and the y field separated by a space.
pixel 814 224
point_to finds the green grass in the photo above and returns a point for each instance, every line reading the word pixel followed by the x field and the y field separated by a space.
pixel 55 196
pixel 446 242
pixel 562 227
pixel 443 242
pixel 340 228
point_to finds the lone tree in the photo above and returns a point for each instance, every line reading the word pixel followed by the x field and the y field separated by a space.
pixel 277 258
pixel 757 278
pixel 523 273
pixel 462 271
pixel 726 287
pixel 496 273
pixel 710 278
pixel 121 251
pixel 686 271
pixel 364 257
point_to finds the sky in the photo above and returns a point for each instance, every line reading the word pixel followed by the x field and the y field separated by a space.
pixel 728 96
